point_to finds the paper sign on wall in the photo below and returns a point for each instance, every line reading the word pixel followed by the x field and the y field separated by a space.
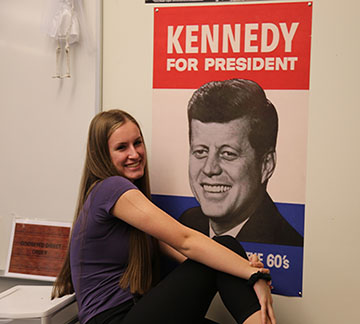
pixel 37 249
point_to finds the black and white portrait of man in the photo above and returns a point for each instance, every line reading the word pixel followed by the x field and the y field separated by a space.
pixel 232 135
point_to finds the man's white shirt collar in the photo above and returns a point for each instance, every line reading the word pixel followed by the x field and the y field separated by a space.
pixel 232 232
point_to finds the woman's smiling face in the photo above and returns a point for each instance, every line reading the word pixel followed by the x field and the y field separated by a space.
pixel 127 151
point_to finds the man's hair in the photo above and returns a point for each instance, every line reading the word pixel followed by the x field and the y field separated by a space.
pixel 224 101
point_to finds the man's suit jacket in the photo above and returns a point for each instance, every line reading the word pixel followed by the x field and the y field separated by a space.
pixel 266 225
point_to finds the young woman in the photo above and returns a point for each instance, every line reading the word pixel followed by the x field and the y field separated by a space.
pixel 118 234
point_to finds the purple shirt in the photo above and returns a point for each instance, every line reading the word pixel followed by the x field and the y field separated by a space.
pixel 99 250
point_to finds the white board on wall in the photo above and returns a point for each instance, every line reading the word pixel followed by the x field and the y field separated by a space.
pixel 43 121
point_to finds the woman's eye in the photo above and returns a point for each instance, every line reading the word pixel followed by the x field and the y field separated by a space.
pixel 138 142
pixel 121 147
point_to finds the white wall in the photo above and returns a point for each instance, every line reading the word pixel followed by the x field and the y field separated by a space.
pixel 332 224
pixel 43 121
pixel 332 234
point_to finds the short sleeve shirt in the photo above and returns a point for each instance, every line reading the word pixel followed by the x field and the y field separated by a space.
pixel 99 250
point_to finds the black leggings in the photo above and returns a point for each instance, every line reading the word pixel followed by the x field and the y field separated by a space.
pixel 185 294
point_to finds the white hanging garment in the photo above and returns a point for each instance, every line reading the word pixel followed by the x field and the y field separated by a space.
pixel 65 23
pixel 62 24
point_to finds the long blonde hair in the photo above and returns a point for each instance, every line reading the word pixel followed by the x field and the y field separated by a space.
pixel 98 166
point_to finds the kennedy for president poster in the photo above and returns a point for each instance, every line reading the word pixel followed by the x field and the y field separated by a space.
pixel 230 115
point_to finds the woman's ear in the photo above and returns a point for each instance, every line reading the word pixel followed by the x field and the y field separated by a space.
pixel 268 166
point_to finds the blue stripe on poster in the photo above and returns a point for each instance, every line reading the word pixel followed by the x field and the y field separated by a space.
pixel 294 214
pixel 285 262
pixel 176 205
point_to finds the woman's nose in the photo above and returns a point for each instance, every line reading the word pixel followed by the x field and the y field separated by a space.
pixel 132 153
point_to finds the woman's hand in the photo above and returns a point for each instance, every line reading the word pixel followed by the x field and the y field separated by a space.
pixel 255 262
pixel 263 293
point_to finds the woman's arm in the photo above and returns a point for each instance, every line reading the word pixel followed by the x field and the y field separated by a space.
pixel 135 209
pixel 171 252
